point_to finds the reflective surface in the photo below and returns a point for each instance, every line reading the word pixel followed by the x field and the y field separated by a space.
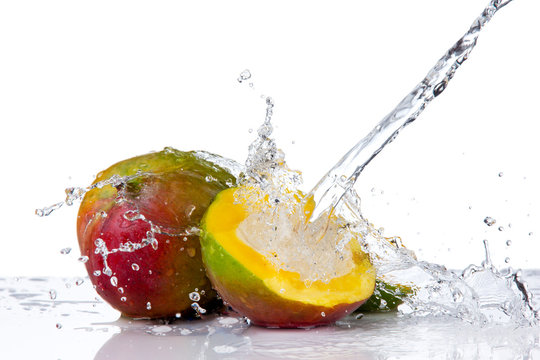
pixel 54 318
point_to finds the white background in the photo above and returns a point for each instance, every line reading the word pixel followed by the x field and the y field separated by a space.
pixel 84 84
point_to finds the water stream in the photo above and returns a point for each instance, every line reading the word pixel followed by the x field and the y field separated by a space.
pixel 330 189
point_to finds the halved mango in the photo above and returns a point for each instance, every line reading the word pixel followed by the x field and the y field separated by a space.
pixel 268 294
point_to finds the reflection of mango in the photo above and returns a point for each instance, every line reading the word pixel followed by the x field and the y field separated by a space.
pixel 252 285
pixel 386 297
pixel 140 276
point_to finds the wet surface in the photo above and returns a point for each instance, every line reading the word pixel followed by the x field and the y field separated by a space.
pixel 54 318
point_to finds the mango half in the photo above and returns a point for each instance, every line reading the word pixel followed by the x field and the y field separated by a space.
pixel 139 235
pixel 267 295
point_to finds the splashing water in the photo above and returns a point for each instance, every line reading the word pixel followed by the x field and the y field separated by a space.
pixel 76 193
pixel 480 294
pixel 119 182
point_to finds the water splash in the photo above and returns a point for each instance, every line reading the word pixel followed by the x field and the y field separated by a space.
pixel 479 294
pixel 76 193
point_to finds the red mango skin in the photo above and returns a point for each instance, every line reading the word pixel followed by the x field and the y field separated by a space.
pixel 171 193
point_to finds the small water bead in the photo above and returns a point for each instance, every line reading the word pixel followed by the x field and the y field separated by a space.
pixel 52 294
pixel 195 306
pixel 83 259
pixel 501 228
pixel 79 282
pixel 194 296
pixel 121 290
pixel 323 314
pixel 58 326
pixel 507 260
pixel 178 315
pixel 244 75
pixel 123 299
pixel 531 234
pixel 508 242
pixel 148 305
pixel 107 271
pixel 501 174
pixel 209 178
pixel 97 273
pixel 65 251
pixel 489 221
pixel 135 267
pixel 114 281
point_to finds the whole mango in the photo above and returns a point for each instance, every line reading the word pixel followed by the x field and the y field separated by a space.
pixel 138 233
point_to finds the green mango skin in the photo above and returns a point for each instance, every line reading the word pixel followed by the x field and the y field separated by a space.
pixel 172 193
pixel 385 298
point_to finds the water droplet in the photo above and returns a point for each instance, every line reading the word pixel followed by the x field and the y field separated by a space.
pixel 209 178
pixel 359 316
pixel 123 299
pixel 282 290
pixel 250 131
pixel 135 267
pixel 178 315
pixel 148 306
pixel 501 174
pixel 107 271
pixel 65 251
pixel 58 325
pixel 83 259
pixel 489 221
pixel 114 281
pixel 194 296
pixel 323 314
pixel 507 260
pixel 52 294
pixel 501 228
pixel 531 234
pixel 508 242
pixel 121 290
pixel 195 306
pixel 97 273
pixel 244 75
pixel 79 282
